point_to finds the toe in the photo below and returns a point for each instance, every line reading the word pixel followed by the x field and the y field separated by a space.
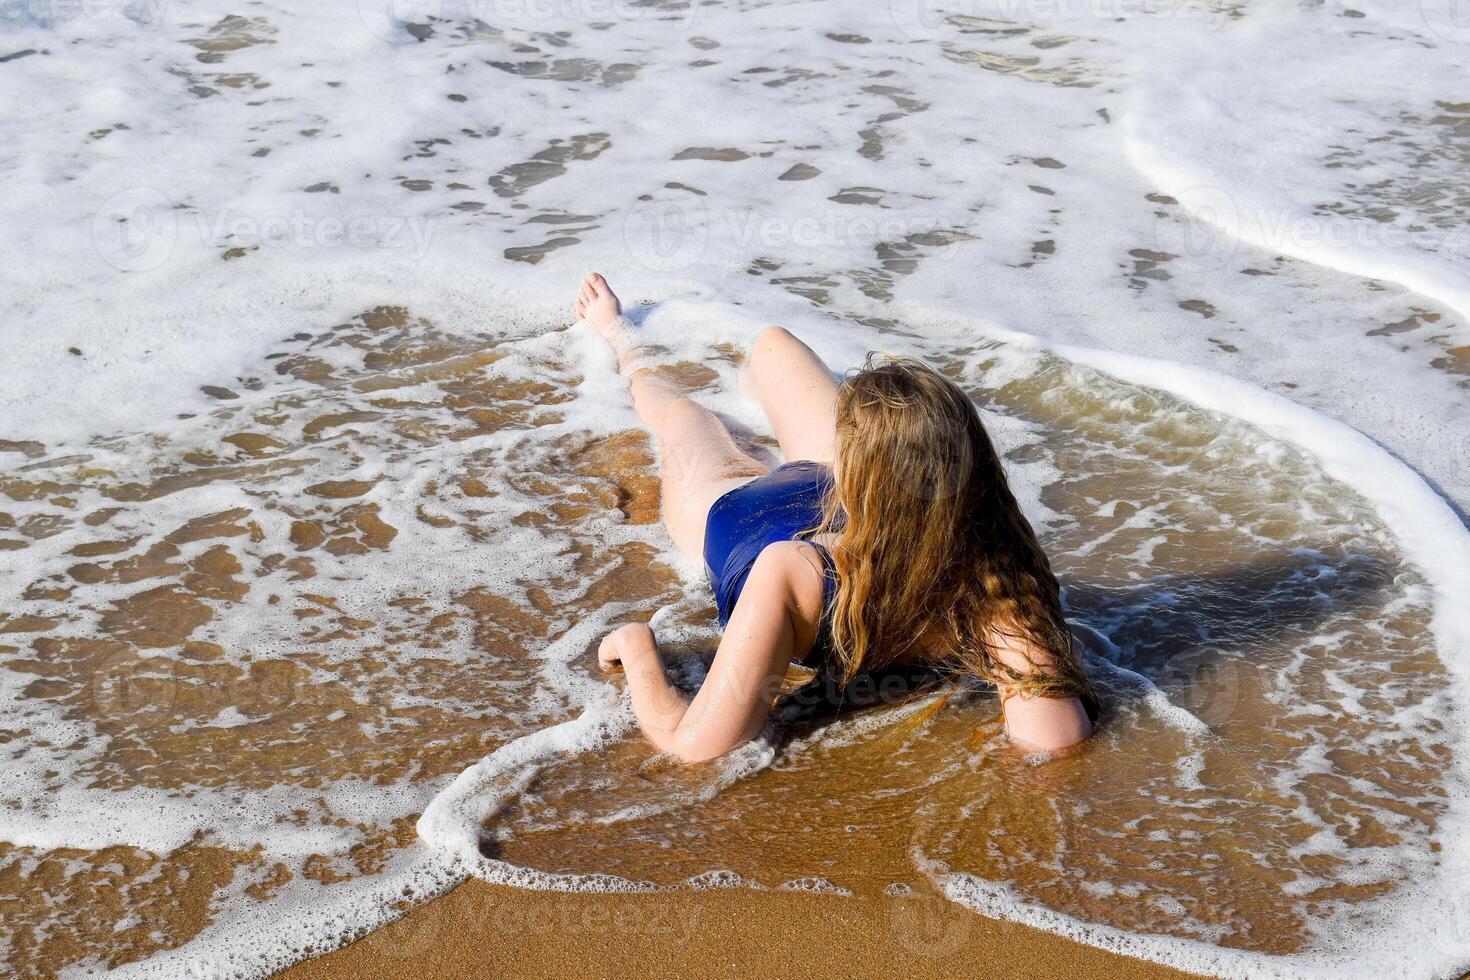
pixel 598 283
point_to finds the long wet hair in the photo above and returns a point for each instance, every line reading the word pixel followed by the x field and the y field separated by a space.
pixel 936 561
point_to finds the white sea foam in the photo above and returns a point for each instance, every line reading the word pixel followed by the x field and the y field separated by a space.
pixel 311 918
pixel 1301 185
pixel 1260 127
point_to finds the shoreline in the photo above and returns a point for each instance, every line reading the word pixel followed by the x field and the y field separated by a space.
pixel 481 929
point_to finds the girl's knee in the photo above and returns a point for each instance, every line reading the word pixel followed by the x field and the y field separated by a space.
pixel 768 345
pixel 682 414
pixel 772 337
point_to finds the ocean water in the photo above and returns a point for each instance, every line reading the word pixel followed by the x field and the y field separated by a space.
pixel 314 503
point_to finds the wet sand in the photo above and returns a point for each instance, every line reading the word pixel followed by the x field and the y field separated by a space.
pixel 407 538
pixel 480 929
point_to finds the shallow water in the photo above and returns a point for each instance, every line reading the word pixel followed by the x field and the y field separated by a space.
pixel 1269 606
pixel 272 648
pixel 311 501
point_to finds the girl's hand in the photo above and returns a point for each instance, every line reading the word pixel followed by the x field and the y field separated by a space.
pixel 625 641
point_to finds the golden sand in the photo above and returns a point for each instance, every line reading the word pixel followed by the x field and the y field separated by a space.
pixel 488 930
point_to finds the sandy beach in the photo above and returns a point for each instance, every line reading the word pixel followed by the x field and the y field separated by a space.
pixel 319 495
pixel 488 930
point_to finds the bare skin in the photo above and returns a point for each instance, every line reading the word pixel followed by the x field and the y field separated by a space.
pixel 777 616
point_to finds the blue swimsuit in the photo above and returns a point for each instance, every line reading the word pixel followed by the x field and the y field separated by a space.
pixel 779 506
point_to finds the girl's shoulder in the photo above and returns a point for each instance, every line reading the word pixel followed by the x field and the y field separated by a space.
pixel 798 570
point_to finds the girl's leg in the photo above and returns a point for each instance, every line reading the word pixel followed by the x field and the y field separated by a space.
pixel 798 393
pixel 698 461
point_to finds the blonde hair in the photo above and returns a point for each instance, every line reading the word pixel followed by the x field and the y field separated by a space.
pixel 936 560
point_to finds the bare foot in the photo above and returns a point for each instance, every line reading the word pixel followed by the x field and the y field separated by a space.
pixel 598 304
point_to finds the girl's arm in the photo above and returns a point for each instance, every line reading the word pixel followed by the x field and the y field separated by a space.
pixel 1047 724
pixel 781 600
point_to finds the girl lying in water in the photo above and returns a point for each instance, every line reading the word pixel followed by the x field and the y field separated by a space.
pixel 888 538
